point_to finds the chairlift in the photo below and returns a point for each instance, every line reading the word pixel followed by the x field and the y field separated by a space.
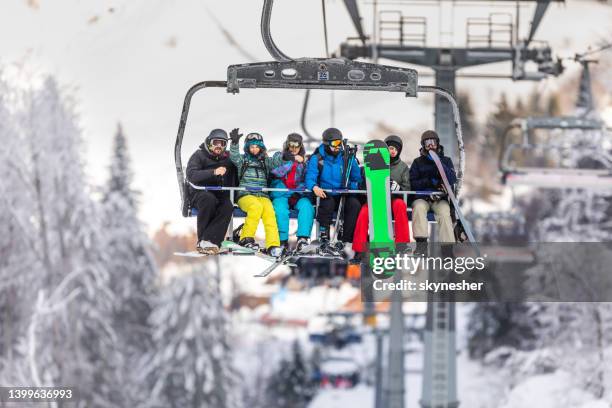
pixel 306 74
pixel 311 73
pixel 551 177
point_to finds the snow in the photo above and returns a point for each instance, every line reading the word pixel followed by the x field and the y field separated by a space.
pixel 359 396
pixel 339 366
pixel 547 391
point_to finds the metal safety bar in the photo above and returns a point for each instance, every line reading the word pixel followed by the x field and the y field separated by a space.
pixel 304 190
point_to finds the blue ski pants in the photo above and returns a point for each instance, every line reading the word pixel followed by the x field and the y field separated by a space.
pixel 305 211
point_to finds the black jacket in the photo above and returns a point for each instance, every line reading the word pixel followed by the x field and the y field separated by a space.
pixel 201 169
pixel 424 173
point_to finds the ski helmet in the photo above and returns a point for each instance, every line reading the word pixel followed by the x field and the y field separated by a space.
pixel 254 138
pixel 294 139
pixel 215 134
pixel 331 134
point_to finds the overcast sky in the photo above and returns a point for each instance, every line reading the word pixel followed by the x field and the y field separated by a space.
pixel 133 60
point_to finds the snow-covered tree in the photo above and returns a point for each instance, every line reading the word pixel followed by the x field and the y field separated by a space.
pixel 291 385
pixel 15 241
pixel 191 363
pixel 577 333
pixel 131 265
pixel 61 281
pixel 498 324
pixel 129 249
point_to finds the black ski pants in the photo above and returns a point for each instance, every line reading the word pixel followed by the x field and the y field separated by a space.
pixel 328 205
pixel 214 214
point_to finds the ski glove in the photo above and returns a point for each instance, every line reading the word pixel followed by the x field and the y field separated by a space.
pixel 394 186
pixel 235 136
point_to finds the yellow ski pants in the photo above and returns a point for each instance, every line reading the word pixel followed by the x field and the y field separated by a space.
pixel 259 208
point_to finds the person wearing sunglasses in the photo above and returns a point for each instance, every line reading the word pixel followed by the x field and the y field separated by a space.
pixel 325 170
pixel 210 165
pixel 424 176
pixel 254 167
pixel 290 174
pixel 400 181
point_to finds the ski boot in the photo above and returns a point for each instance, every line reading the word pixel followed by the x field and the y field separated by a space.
pixel 207 248
pixel 328 249
pixel 285 245
pixel 357 258
pixel 301 244
pixel 249 243
pixel 276 251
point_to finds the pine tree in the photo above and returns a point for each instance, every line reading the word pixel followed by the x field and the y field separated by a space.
pixel 15 254
pixel 129 249
pixel 131 263
pixel 191 365
pixel 291 386
pixel 67 335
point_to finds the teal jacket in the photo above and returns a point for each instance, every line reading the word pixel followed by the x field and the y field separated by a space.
pixel 253 171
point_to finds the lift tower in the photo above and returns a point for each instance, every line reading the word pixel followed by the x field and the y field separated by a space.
pixel 400 36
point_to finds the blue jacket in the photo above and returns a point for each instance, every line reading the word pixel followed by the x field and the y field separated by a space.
pixel 331 173
pixel 424 173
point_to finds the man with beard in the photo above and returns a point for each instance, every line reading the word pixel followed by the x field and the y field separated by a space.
pixel 210 165
pixel 325 170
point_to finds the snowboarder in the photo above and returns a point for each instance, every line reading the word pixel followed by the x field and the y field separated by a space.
pixel 400 181
pixel 425 176
pixel 329 167
pixel 254 168
pixel 290 174
pixel 210 165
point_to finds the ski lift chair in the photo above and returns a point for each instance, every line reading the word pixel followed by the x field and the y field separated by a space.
pixel 309 73
pixel 549 177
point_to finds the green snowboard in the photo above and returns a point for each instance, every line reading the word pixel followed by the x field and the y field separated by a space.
pixel 376 160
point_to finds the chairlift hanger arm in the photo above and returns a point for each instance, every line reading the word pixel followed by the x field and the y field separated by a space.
pixel 183 123
pixel 266 34
pixel 353 10
pixel 308 136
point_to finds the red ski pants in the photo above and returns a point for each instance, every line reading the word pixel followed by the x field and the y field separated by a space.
pixel 402 229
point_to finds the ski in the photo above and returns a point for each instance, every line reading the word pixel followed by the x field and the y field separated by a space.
pixel 451 195
pixel 235 248
pixel 282 260
pixel 376 164
pixel 196 254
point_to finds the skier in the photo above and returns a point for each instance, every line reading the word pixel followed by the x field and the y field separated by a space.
pixel 290 174
pixel 210 165
pixel 327 168
pixel 400 181
pixel 254 168
pixel 424 176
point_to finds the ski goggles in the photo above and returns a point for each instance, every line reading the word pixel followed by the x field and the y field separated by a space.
pixel 254 136
pixel 218 143
pixel 430 142
pixel 335 143
pixel 294 145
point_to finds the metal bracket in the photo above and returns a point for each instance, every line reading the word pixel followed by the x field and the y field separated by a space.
pixel 322 73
